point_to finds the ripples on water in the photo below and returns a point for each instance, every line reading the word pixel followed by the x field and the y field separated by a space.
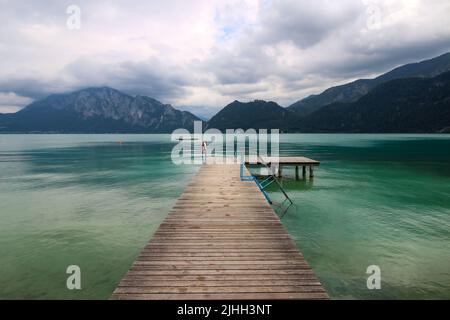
pixel 90 201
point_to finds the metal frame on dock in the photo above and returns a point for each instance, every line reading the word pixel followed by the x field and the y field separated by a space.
pixel 270 179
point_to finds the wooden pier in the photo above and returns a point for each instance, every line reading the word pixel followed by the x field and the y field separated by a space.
pixel 279 162
pixel 222 240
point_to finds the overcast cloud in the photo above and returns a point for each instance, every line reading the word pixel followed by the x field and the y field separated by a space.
pixel 202 54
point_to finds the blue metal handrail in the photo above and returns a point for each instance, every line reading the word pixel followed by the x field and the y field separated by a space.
pixel 272 175
pixel 252 178
pixel 265 183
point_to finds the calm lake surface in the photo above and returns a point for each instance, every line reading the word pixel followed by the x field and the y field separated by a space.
pixel 90 201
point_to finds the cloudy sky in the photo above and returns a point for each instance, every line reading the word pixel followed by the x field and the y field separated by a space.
pixel 202 54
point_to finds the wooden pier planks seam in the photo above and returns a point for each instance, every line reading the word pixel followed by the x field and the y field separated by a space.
pixel 221 240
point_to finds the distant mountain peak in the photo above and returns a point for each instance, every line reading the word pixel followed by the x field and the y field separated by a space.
pixel 258 114
pixel 101 89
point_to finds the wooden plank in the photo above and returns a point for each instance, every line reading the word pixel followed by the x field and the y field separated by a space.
pixel 166 257
pixel 225 251
pixel 199 272
pixel 221 241
pixel 222 277
pixel 215 265
pixel 220 289
pixel 258 264
pixel 218 283
pixel 224 296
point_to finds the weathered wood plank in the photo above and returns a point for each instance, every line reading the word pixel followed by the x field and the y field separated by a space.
pixel 199 272
pixel 221 277
pixel 224 296
pixel 219 283
pixel 222 289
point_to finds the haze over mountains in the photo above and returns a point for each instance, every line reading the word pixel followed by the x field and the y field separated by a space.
pixel 412 98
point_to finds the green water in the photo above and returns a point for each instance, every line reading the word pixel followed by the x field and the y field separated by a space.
pixel 90 201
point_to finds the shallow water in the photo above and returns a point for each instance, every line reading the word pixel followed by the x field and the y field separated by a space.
pixel 91 201
pixel 375 200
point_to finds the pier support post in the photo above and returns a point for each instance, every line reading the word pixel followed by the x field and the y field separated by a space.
pixel 280 171
pixel 296 173
pixel 311 171
pixel 304 172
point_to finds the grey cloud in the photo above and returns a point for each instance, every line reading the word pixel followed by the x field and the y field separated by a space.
pixel 146 78
pixel 292 48
pixel 361 60
pixel 306 23
pixel 33 88
pixel 333 41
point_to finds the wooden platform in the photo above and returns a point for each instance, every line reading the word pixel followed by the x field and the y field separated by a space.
pixel 221 240
pixel 279 162
pixel 289 161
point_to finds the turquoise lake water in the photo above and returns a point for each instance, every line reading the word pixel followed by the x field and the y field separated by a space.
pixel 90 201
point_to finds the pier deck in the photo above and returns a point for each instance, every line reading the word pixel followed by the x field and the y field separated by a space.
pixel 221 240
pixel 289 161
pixel 279 162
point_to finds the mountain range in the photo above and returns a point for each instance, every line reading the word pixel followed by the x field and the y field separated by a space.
pixel 414 98
pixel 351 92
pixel 97 110
pixel 418 105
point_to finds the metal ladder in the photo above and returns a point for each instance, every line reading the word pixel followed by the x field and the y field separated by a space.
pixel 264 184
